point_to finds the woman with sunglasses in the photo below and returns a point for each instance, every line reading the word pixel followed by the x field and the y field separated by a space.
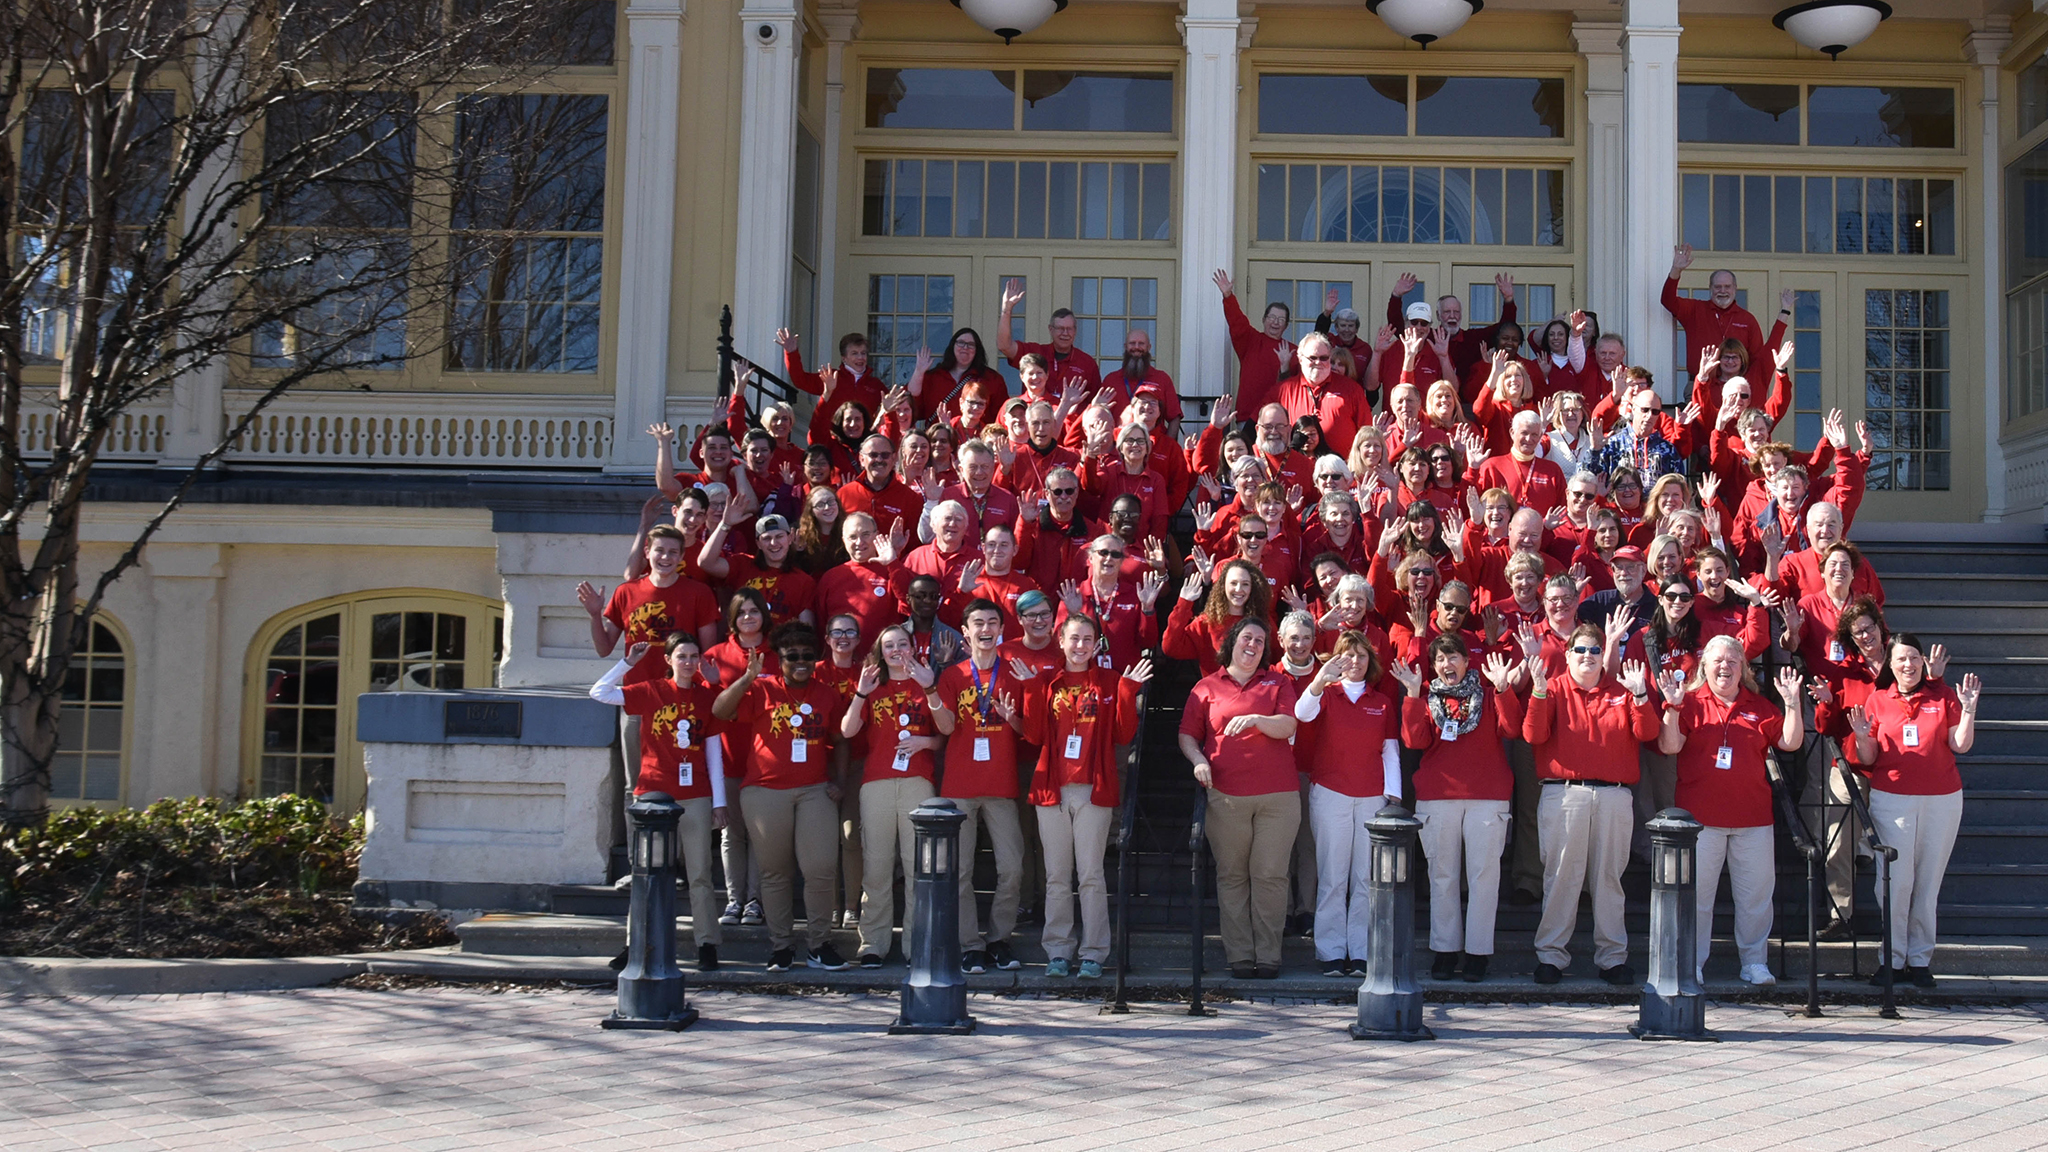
pixel 840 671
pixel 1670 645
pixel 1418 531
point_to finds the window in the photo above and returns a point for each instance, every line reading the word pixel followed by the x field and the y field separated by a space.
pixel 803 278
pixel 1107 308
pixel 1304 299
pixel 92 723
pixel 1807 407
pixel 1534 304
pixel 2026 341
pixel 1400 204
pixel 1020 199
pixel 2026 258
pixel 906 313
pixel 2033 95
pixel 301 703
pixel 1358 105
pixel 1833 116
pixel 1906 388
pixel 1845 215
pixel 528 226
pixel 965 99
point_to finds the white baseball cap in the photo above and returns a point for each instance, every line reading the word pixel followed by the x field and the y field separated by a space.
pixel 1420 310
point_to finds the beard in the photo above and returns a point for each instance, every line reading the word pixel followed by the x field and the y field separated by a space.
pixel 1137 365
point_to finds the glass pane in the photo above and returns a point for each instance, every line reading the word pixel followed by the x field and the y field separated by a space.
pixel 102 778
pixel 281 729
pixel 1123 202
pixel 1095 201
pixel 1302 202
pixel 531 163
pixel 2033 95
pixel 1738 113
pixel 1521 207
pixel 1727 213
pixel 280 775
pixel 384 676
pixel 958 98
pixel 107 682
pixel 66 777
pixel 289 644
pixel 1002 199
pixel 967 198
pixel 1031 200
pixel 1062 180
pixel 1334 208
pixel 1550 206
pixel 284 683
pixel 316 779
pixel 103 730
pixel 386 638
pixel 1786 234
pixel 451 637
pixel 71 728
pixel 1098 102
pixel 1941 217
pixel 322 680
pixel 1457 202
pixel 1144 296
pixel 938 198
pixel 1820 214
pixel 1158 198
pixel 874 204
pixel 1881 117
pixel 1115 298
pixel 1848 214
pixel 1695 208
pixel 1877 216
pixel 1756 213
pixel 102 639
pixel 906 201
pixel 1365 204
pixel 1272 202
pixel 1427 204
pixel 419 635
pixel 1087 296
pixel 1912 216
pixel 1394 205
pixel 1488 223
pixel 1489 106
pixel 1333 105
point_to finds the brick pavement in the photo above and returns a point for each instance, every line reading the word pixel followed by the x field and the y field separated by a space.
pixel 454 1069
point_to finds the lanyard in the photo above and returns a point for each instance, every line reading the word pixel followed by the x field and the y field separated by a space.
pixel 984 695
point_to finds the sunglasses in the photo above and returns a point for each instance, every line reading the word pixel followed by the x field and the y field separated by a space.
pixel 1450 607
pixel 1316 359
pixel 1678 597
pixel 1108 554
pixel 1584 650
pixel 1062 491
pixel 1251 535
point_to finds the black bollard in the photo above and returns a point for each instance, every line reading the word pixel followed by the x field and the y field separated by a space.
pixel 935 993
pixel 1389 1003
pixel 1674 1005
pixel 650 985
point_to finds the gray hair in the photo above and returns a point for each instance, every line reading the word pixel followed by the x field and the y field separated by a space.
pixel 948 507
pixel 1297 617
pixel 1340 314
pixel 1353 582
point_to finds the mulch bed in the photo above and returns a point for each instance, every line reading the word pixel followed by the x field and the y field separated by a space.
pixel 129 919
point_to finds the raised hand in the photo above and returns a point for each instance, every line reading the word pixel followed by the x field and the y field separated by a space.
pixel 1937 661
pixel 1690 413
pixel 1070 595
pixel 1671 686
pixel 1219 412
pixel 1819 690
pixel 1710 487
pixel 1581 323
pixel 756 660
pixel 1412 339
pixel 591 597
pixel 922 672
pixel 1501 671
pixel 1862 436
pixel 1788 684
pixel 1006 704
pixel 1555 517
pixel 1013 294
pixel 1149 587
pixel 1294 599
pixel 870 676
pixel 1489 619
pixel 662 433
pixel 1391 535
pixel 1635 677
pixel 1773 539
pixel 1527 640
pixel 970 575
pixel 1405 283
pixel 1385 338
pixel 1710 362
pixel 1409 676
pixel 1859 721
pixel 1224 283
pixel 1579 575
pixel 1836 430
pixel 1618 623
pixel 1681 258
pixel 1440 340
pixel 892 548
pixel 1782 359
pixel 1968 692
pixel 1140 672
pixel 1793 616
pixel 1021 670
pixel 1504 283
pixel 1294 497
pixel 1205 514
pixel 786 340
pixel 788 474
pixel 640 648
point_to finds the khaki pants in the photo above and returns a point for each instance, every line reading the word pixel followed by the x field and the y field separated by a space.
pixel 849 853
pixel 1471 833
pixel 1307 894
pixel 887 838
pixel 1831 821
pixel 792 830
pixel 1656 791
pixel 999 817
pixel 1585 833
pixel 1752 860
pixel 1252 838
pixel 1076 834
pixel 1344 870
pixel 1525 863
pixel 1033 875
pixel 698 837
pixel 1923 829
pixel 742 866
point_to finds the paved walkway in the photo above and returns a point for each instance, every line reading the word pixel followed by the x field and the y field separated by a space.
pixel 457 1069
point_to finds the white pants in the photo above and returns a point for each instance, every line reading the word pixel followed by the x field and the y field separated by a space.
pixel 1923 829
pixel 1585 833
pixel 1343 867
pixel 1469 833
pixel 1075 833
pixel 1752 861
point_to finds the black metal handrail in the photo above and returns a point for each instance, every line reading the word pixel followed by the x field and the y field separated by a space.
pixel 1126 831
pixel 1810 851
pixel 728 370
pixel 1885 854
pixel 1198 835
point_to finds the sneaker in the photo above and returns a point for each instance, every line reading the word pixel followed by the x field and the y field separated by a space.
pixel 974 963
pixel 707 957
pixel 1356 968
pixel 1475 969
pixel 827 957
pixel 869 960
pixel 1618 975
pixel 1758 974
pixel 1090 970
pixel 1057 969
pixel 782 960
pixel 1836 930
pixel 752 915
pixel 1338 968
pixel 1548 973
pixel 1001 958
pixel 731 915
pixel 1921 975
pixel 1444 966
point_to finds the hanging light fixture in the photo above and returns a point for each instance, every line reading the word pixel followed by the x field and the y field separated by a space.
pixel 1010 18
pixel 1833 26
pixel 1424 21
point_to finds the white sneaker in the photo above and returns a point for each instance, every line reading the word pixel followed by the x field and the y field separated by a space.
pixel 1758 974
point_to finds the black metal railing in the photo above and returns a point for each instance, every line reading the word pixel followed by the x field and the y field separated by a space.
pixel 1885 854
pixel 763 385
pixel 1810 852
pixel 1198 838
pixel 1126 833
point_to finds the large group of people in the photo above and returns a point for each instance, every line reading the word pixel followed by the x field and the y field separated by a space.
pixel 1488 573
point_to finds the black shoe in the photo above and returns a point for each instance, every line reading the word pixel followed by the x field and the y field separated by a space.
pixel 1836 930
pixel 1921 975
pixel 1548 974
pixel 1300 924
pixel 1618 975
pixel 1000 957
pixel 974 962
pixel 1898 977
pixel 869 960
pixel 1357 969
pixel 1475 969
pixel 1444 966
pixel 707 957
pixel 782 960
pixel 619 961
pixel 1522 897
pixel 1267 972
pixel 827 957
pixel 1028 917
pixel 1337 969
pixel 1243 971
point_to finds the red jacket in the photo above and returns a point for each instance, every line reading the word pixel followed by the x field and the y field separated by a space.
pixel 1707 327
pixel 1258 360
pixel 1099 706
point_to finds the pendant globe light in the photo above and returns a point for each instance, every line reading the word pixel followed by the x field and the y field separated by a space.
pixel 1424 21
pixel 1833 26
pixel 1010 18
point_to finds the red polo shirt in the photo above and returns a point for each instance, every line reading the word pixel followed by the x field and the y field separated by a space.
pixel 1738 796
pixel 1581 734
pixel 1536 483
pixel 861 591
pixel 1250 763
pixel 896 501
pixel 1348 739
pixel 1913 756
pixel 1075 365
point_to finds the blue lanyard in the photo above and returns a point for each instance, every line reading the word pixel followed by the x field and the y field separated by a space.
pixel 984 695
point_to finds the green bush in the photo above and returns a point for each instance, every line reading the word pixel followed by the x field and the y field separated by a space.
pixel 280 842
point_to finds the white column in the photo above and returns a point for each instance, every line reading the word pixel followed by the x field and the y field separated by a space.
pixel 1606 174
pixel 1208 193
pixel 1649 45
pixel 177 749
pixel 654 32
pixel 842 25
pixel 1985 45
pixel 770 35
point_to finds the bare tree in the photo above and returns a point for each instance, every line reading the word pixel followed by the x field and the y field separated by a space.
pixel 285 189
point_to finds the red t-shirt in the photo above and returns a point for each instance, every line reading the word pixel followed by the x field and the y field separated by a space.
pixel 981 755
pixel 1077 719
pixel 729 661
pixel 790 590
pixel 895 709
pixel 643 612
pixel 1913 756
pixel 792 730
pixel 896 501
pixel 1250 763
pixel 1735 793
pixel 1046 661
pixel 1349 738
pixel 1127 629
pixel 861 591
pixel 927 560
pixel 1003 590
pixel 678 767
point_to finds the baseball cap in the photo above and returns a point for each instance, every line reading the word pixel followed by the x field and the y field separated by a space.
pixel 770 523
pixel 1629 552
pixel 1420 310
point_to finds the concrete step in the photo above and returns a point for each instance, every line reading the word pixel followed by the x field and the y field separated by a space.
pixel 2014 672
pixel 1971 885
pixel 1986 639
pixel 1937 615
pixel 1999 843
pixel 1971 587
pixel 2003 772
pixel 2005 806
pixel 2010 737
pixel 2009 703
pixel 1937 558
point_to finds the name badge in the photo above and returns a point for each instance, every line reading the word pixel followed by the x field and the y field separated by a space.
pixel 1835 652
pixel 1724 758
pixel 1074 746
pixel 799 750
pixel 981 749
pixel 1450 732
pixel 686 774
pixel 1910 735
pixel 902 761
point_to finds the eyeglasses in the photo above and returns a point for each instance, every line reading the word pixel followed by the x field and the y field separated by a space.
pixel 798 656
pixel 1251 535
pixel 1274 427
pixel 1585 650
pixel 844 633
pixel 1448 606
pixel 1108 555
pixel 1315 359
pixel 1062 491
pixel 1040 614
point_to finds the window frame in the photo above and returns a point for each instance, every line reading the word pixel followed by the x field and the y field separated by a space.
pixel 126 640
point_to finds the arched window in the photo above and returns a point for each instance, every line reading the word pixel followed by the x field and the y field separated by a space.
pixel 92 729
pixel 308 665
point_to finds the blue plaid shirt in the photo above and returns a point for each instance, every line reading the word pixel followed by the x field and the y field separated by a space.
pixel 1651 456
